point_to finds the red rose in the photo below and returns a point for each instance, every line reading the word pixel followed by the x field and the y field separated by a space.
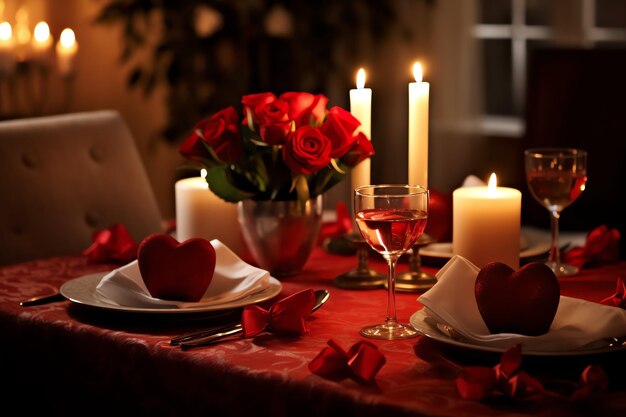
pixel 252 101
pixel 340 127
pixel 220 132
pixel 360 150
pixel 305 108
pixel 273 121
pixel 307 150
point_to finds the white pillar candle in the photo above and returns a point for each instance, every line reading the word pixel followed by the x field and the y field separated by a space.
pixel 66 49
pixel 200 213
pixel 418 128
pixel 361 108
pixel 486 224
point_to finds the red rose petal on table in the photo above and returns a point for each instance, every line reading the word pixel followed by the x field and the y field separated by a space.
pixel 113 244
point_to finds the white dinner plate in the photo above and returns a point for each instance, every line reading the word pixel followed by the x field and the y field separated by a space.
pixel 82 291
pixel 418 321
pixel 531 245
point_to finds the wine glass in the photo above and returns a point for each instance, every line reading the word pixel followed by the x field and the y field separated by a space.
pixel 391 219
pixel 556 177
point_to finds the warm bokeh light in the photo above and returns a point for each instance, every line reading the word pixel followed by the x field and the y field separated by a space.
pixel 42 32
pixel 5 31
pixel 68 39
pixel 417 72
pixel 360 78
pixel 493 183
pixel 203 173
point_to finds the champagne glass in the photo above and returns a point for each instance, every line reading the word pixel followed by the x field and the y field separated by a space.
pixel 556 177
pixel 391 218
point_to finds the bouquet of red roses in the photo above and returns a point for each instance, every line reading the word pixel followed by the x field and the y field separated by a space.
pixel 283 148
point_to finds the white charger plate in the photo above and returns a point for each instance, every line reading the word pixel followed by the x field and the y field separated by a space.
pixel 530 245
pixel 82 291
pixel 418 322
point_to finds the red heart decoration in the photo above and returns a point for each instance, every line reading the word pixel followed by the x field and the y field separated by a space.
pixel 176 271
pixel 439 225
pixel 523 301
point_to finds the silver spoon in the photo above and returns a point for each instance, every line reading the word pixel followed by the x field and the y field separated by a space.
pixel 208 336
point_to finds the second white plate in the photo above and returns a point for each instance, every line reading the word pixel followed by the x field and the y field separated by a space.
pixel 418 321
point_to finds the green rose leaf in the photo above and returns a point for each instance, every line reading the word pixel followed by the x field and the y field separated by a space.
pixel 219 182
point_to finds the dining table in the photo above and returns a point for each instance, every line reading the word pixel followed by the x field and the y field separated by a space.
pixel 66 358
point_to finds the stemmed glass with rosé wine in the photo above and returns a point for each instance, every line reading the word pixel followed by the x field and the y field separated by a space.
pixel 556 177
pixel 391 218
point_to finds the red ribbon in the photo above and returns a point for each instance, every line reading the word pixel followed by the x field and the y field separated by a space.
pixel 113 244
pixel 478 382
pixel 341 226
pixel 601 246
pixel 361 362
pixel 619 298
pixel 287 316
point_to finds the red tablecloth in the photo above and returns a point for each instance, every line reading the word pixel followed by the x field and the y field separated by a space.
pixel 68 360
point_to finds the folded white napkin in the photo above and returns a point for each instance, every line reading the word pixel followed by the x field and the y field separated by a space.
pixel 578 323
pixel 233 279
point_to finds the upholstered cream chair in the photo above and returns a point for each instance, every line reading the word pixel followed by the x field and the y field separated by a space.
pixel 63 177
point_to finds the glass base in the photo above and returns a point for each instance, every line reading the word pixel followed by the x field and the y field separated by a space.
pixel 414 281
pixel 360 279
pixel 562 269
pixel 389 331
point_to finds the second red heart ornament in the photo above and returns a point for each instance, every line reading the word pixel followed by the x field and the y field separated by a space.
pixel 523 301
pixel 176 271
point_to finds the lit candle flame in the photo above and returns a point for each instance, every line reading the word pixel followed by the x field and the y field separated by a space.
pixel 42 32
pixel 417 72
pixel 68 39
pixel 6 32
pixel 203 175
pixel 360 78
pixel 493 183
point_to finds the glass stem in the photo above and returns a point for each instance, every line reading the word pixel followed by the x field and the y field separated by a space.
pixel 362 257
pixel 555 252
pixel 415 263
pixel 391 291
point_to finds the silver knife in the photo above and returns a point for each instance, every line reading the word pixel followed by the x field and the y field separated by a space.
pixel 42 299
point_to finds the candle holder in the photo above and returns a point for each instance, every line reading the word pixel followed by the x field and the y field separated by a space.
pixel 415 279
pixel 362 277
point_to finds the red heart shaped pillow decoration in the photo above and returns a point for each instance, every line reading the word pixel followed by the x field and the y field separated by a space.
pixel 176 271
pixel 523 301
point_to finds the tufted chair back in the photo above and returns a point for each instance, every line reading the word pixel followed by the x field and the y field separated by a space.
pixel 63 177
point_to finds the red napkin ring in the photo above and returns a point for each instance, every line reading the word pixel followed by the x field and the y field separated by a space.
pixel 361 362
pixel 113 244
pixel 287 316
pixel 601 246
pixel 339 227
pixel 619 298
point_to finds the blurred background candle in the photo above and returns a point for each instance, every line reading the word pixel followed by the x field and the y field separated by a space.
pixel 486 224
pixel 200 213
pixel 42 44
pixel 418 128
pixel 66 51
pixel 22 34
pixel 7 49
pixel 361 108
